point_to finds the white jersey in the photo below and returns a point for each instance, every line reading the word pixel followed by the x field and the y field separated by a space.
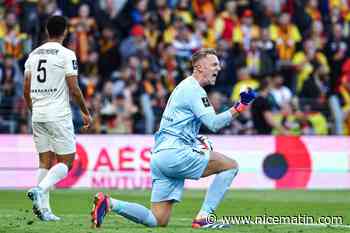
pixel 49 65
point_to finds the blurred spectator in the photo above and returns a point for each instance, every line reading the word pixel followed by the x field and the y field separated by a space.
pixel 163 14
pixel 132 54
pixel 227 21
pixel 183 11
pixel 185 43
pixel 262 115
pixel 227 76
pixel 336 50
pixel 318 35
pixel 205 9
pixel 312 9
pixel 83 29
pixel 205 35
pixel 152 33
pixel 280 93
pixel 257 62
pixel 316 87
pixel 7 98
pixel 13 41
pixel 291 121
pixel 21 117
pixel 168 67
pixel 344 92
pixel 317 121
pixel 268 46
pixel 304 60
pixel 139 12
pixel 109 58
pixel 286 35
pixel 135 44
pixel 95 109
pixel 246 30
pixel 10 71
pixel 115 13
pixel 31 24
pixel 121 117
pixel 153 100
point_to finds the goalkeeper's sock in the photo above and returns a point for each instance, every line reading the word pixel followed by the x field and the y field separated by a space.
pixel 134 212
pixel 55 174
pixel 42 172
pixel 216 191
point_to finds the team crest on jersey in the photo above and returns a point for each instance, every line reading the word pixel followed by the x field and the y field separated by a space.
pixel 205 101
pixel 75 64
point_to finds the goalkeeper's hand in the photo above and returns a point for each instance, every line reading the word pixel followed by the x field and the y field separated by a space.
pixel 247 97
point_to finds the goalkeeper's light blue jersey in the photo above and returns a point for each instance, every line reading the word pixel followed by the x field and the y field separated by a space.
pixel 180 122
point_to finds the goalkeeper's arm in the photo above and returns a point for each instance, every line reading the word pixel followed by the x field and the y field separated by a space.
pixel 215 122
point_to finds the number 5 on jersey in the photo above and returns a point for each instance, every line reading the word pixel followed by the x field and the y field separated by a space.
pixel 41 68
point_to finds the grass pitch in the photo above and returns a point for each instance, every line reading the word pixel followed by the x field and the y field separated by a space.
pixel 73 206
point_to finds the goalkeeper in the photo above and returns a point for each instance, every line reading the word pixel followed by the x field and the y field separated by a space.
pixel 174 157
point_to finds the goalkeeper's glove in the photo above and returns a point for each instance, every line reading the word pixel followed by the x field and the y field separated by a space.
pixel 247 97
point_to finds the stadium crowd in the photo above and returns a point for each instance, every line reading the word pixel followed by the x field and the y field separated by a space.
pixel 133 53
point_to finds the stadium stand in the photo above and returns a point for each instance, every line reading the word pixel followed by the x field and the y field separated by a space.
pixel 133 53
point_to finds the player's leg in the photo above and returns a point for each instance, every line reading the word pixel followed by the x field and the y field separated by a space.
pixel 165 191
pixel 132 211
pixel 46 161
pixel 57 172
pixel 225 169
pixel 62 141
pixel 191 163
pixel 42 144
pixel 162 212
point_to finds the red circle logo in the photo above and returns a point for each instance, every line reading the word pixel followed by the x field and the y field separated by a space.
pixel 298 159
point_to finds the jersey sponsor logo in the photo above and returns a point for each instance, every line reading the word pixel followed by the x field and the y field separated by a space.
pixel 168 118
pixel 43 90
pixel 205 101
pixel 75 64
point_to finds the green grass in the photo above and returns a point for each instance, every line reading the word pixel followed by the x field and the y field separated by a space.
pixel 74 206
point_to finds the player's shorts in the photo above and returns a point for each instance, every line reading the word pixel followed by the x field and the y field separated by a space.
pixel 56 136
pixel 171 167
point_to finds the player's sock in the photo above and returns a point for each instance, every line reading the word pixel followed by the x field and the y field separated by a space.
pixel 42 172
pixel 216 192
pixel 55 174
pixel 134 212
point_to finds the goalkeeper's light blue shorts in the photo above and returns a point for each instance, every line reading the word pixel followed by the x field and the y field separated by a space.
pixel 170 168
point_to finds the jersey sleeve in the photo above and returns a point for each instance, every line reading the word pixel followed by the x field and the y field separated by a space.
pixel 71 64
pixel 199 103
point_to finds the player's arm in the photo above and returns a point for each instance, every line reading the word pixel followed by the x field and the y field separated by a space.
pixel 71 71
pixel 215 122
pixel 26 90
pixel 74 89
